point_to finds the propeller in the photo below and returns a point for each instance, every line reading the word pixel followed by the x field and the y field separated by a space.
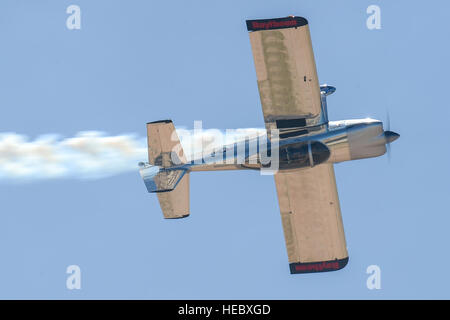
pixel 388 145
pixel 389 135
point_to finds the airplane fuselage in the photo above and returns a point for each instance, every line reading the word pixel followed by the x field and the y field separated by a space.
pixel 342 141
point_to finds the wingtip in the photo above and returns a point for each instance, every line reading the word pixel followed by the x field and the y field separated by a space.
pixel 179 217
pixel 320 266
pixel 276 23
pixel 160 121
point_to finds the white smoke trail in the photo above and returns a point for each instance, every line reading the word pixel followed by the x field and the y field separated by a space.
pixel 87 155
pixel 90 155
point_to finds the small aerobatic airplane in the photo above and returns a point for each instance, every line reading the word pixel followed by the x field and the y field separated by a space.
pixel 306 145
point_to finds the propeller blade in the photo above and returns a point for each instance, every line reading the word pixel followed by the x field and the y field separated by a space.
pixel 388 121
pixel 388 152
pixel 389 135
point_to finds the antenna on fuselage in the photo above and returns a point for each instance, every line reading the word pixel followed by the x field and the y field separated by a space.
pixel 325 90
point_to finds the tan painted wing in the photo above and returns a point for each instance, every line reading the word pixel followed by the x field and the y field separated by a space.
pixel 311 218
pixel 286 72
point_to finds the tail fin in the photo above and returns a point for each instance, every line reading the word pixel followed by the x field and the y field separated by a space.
pixel 171 185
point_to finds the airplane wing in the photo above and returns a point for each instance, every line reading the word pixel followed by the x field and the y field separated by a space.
pixel 287 76
pixel 291 102
pixel 311 218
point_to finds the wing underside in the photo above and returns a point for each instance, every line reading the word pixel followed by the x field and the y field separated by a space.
pixel 286 75
pixel 311 219
pixel 291 102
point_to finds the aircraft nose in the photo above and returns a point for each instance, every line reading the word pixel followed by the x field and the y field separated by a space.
pixel 391 136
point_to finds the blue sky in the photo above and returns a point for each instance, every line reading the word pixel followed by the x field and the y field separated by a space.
pixel 138 61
